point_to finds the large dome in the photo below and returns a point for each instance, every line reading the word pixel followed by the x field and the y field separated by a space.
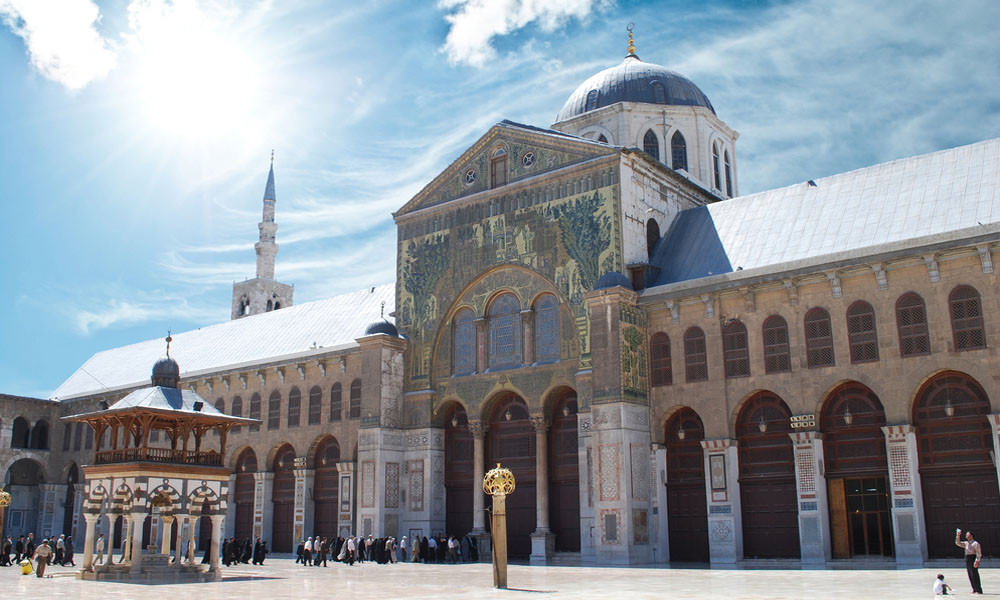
pixel 633 81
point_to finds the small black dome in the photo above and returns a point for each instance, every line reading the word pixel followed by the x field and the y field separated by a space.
pixel 166 373
pixel 382 327
pixel 613 279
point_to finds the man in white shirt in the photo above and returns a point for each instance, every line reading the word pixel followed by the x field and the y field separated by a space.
pixel 432 545
pixel 351 550
pixel 307 553
pixel 402 548
pixel 99 549
pixel 973 554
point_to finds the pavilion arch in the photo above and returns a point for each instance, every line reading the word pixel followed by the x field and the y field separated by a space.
pixel 203 501
pixel 169 494
pixel 317 445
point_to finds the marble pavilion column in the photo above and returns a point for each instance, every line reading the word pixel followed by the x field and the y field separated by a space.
pixel 479 532
pixel 542 539
pixel 127 538
pixel 88 540
pixel 135 545
pixel 217 521
pixel 112 519
pixel 810 484
pixel 182 532
pixel 168 523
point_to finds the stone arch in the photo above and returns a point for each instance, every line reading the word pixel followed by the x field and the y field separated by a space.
pixel 498 395
pixel 272 455
pixel 170 500
pixel 833 383
pixel 664 417
pixel 444 410
pixel 204 501
pixel 959 366
pixel 40 435
pixel 738 408
pixel 554 396
pixel 316 445
pixel 237 454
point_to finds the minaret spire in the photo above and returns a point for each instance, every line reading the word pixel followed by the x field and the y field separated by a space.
pixel 267 248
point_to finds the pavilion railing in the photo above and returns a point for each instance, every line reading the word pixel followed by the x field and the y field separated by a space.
pixel 159 455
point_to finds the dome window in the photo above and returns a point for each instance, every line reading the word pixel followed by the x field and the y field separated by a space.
pixel 591 100
pixel 650 145
pixel 678 152
pixel 659 94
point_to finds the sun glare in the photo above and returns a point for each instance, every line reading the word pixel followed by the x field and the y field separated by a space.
pixel 193 80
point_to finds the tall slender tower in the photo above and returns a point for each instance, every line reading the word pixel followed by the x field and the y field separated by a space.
pixel 263 293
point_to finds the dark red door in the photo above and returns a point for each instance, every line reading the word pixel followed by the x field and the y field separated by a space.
pixel 246 466
pixel 511 442
pixel 283 495
pixel 687 512
pixel 767 479
pixel 326 489
pixel 564 476
pixel 458 472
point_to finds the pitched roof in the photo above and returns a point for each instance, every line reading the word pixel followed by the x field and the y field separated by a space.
pixel 889 203
pixel 297 331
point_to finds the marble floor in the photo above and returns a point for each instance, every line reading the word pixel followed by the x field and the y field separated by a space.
pixel 280 579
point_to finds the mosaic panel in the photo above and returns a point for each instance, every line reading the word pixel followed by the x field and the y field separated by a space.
pixel 904 503
pixel 720 509
pixel 639 456
pixel 392 485
pixel 640 527
pixel 608 469
pixel 416 468
pixel 368 484
pixel 722 530
pixel 437 479
pixel 590 476
pixel 899 466
pixel 808 506
pixel 610 519
pixel 806 468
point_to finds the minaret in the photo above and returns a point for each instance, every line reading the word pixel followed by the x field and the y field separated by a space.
pixel 263 293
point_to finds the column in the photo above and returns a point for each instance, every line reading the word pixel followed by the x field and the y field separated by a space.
pixel 182 530
pixel 230 527
pixel 722 488
pixel 168 523
pixel 658 521
pixel 907 500
pixel 304 504
pixel 217 521
pixel 88 541
pixel 995 425
pixel 345 514
pixel 542 540
pixel 478 505
pixel 262 507
pixel 810 485
pixel 127 538
pixel 136 543
pixel 110 538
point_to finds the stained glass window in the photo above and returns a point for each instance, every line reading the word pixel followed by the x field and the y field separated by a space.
pixel 546 329
pixel 465 342
pixel 505 332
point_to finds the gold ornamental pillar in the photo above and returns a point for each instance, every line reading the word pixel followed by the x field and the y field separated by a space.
pixel 498 483
pixel 4 503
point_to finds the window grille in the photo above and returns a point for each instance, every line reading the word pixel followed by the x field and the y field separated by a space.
pixel 659 359
pixel 315 405
pixel 237 411
pixel 356 399
pixel 911 321
pixel 336 403
pixel 505 332
pixel 967 318
pixel 678 152
pixel 650 145
pixel 274 411
pixel 294 407
pixel 861 333
pixel 695 355
pixel 546 329
pixel 736 350
pixel 255 410
pixel 819 338
pixel 777 357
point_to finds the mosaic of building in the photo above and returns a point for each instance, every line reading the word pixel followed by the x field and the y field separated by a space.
pixel 673 372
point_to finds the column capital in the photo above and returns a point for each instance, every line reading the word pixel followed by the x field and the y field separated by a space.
pixel 718 444
pixel 994 422
pixel 540 423
pixel 897 432
pixel 91 517
pixel 476 428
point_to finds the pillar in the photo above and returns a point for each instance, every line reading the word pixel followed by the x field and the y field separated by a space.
pixel 585 459
pixel 51 509
pixel 110 538
pixel 88 541
pixel 263 516
pixel 478 505
pixel 907 499
pixel 182 532
pixel 722 490
pixel 658 521
pixel 217 521
pixel 168 523
pixel 230 525
pixel 542 539
pixel 136 540
pixel 127 538
pixel 810 485
pixel 995 425
pixel 345 513
pixel 304 504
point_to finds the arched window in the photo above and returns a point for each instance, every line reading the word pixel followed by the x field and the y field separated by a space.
pixel 255 410
pixel 911 321
pixel 729 175
pixel 715 166
pixel 40 436
pixel 21 432
pixel 592 97
pixel 237 411
pixel 678 152
pixel 505 332
pixel 736 350
pixel 336 403
pixel 78 437
pixel 498 168
pixel 819 338
pixel 220 405
pixel 546 329
pixel 294 407
pixel 861 333
pixel 274 411
pixel 315 405
pixel 659 94
pixel 356 399
pixel 695 355
pixel 88 442
pixel 650 145
pixel 67 436
pixel 602 139
pixel 966 318
pixel 464 359
pixel 652 236
pixel 270 305
pixel 777 358
pixel 659 360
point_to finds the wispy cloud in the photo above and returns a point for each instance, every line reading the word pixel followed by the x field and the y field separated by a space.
pixel 118 312
pixel 474 23
pixel 61 38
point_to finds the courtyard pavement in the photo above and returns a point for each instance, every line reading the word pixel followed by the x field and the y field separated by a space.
pixel 282 579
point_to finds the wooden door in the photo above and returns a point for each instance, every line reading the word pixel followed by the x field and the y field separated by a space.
pixel 839 529
pixel 326 489
pixel 283 496
pixel 770 519
pixel 511 442
pixel 687 506
pixel 967 499
pixel 564 476
pixel 243 495
pixel 458 474
pixel 282 527
pixel 244 520
pixel 204 533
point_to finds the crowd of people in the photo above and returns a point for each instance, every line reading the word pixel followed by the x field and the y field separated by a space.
pixel 386 550
pixel 56 551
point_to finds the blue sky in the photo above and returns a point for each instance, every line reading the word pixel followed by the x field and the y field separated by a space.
pixel 135 134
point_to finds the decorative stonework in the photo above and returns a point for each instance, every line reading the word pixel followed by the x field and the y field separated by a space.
pixel 806 467
pixel 608 468
pixel 639 457
pixel 416 468
pixel 640 526
pixel 899 466
pixel 590 476
pixel 368 484
pixel 392 485
pixel 722 530
pixel 437 479
pixel 611 519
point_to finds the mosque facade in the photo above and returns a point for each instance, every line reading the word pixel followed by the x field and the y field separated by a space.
pixel 673 372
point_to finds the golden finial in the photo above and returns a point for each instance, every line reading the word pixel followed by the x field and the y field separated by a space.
pixel 169 339
pixel 272 156
pixel 631 40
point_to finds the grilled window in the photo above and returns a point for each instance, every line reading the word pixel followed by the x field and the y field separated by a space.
pixel 505 332
pixel 819 339
pixel 967 318
pixel 336 403
pixel 546 329
pixel 861 333
pixel 356 399
pixel 695 355
pixel 777 357
pixel 498 168
pixel 464 342
pixel 592 97
pixel 650 145
pixel 237 411
pixel 659 359
pixel 255 410
pixel 294 407
pixel 315 405
pixel 911 320
pixel 274 411
pixel 736 350
pixel 678 151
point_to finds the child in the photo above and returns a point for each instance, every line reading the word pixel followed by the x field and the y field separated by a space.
pixel 940 587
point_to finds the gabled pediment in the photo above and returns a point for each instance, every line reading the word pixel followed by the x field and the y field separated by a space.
pixel 529 152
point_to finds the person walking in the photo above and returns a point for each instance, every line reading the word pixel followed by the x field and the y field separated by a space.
pixel 298 551
pixel 19 550
pixel 403 546
pixel 351 550
pixel 42 555
pixel 415 552
pixel 99 550
pixel 5 551
pixel 68 550
pixel 973 554
pixel 60 549
pixel 307 551
pixel 324 549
